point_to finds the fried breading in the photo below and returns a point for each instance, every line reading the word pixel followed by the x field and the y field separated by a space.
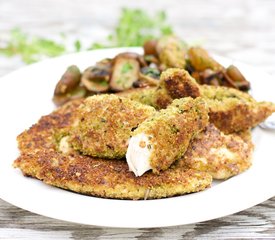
pixel 104 123
pixel 164 137
pixel 230 110
pixel 171 52
pixel 41 158
pixel 142 95
pixel 179 84
pixel 223 156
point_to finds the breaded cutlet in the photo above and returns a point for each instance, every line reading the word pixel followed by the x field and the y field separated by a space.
pixel 103 125
pixel 220 155
pixel 229 109
pixel 41 157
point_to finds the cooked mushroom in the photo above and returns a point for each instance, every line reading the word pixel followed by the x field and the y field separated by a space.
pixel 131 55
pixel 200 60
pixel 68 86
pixel 96 78
pixel 209 77
pixel 237 78
pixel 150 47
pixel 152 72
pixel 69 80
pixel 78 92
pixel 125 72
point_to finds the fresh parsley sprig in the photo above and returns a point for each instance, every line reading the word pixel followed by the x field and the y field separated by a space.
pixel 134 27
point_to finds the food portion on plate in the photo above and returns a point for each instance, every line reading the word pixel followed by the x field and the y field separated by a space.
pixel 130 70
pixel 149 126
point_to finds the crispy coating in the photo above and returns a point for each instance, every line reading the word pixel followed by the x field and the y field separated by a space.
pixel 174 83
pixel 232 110
pixel 43 135
pixel 40 158
pixel 104 123
pixel 171 130
pixel 223 156
pixel 178 83
pixel 171 52
pixel 142 95
pixel 156 97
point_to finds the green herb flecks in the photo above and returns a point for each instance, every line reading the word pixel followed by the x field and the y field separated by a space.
pixel 126 68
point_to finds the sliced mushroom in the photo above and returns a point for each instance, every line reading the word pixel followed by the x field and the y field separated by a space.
pixel 68 87
pixel 211 77
pixel 96 78
pixel 148 77
pixel 151 59
pixel 152 72
pixel 69 80
pixel 148 80
pixel 78 92
pixel 200 60
pixel 237 78
pixel 125 72
pixel 150 47
pixel 131 55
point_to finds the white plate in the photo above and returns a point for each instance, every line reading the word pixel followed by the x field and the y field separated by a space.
pixel 26 95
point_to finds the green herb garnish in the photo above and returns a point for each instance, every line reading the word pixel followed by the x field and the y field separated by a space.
pixel 30 49
pixel 134 27
pixel 126 68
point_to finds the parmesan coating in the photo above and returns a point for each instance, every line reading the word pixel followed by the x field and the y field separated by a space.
pixel 170 131
pixel 232 110
pixel 42 157
pixel 223 156
pixel 104 123
pixel 229 109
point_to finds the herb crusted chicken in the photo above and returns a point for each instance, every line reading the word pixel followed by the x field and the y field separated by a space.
pixel 41 158
pixel 103 125
pixel 164 137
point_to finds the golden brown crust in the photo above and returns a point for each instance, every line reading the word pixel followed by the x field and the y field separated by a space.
pixel 232 110
pixel 41 159
pixel 222 156
pixel 104 124
pixel 171 52
pixel 108 178
pixel 178 83
pixel 172 129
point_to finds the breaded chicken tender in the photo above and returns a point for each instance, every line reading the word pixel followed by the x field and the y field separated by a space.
pixel 230 110
pixel 142 95
pixel 42 157
pixel 220 155
pixel 171 52
pixel 164 137
pixel 104 123
pixel 178 83
pixel 174 83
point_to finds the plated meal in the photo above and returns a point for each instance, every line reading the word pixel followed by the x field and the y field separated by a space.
pixel 149 126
